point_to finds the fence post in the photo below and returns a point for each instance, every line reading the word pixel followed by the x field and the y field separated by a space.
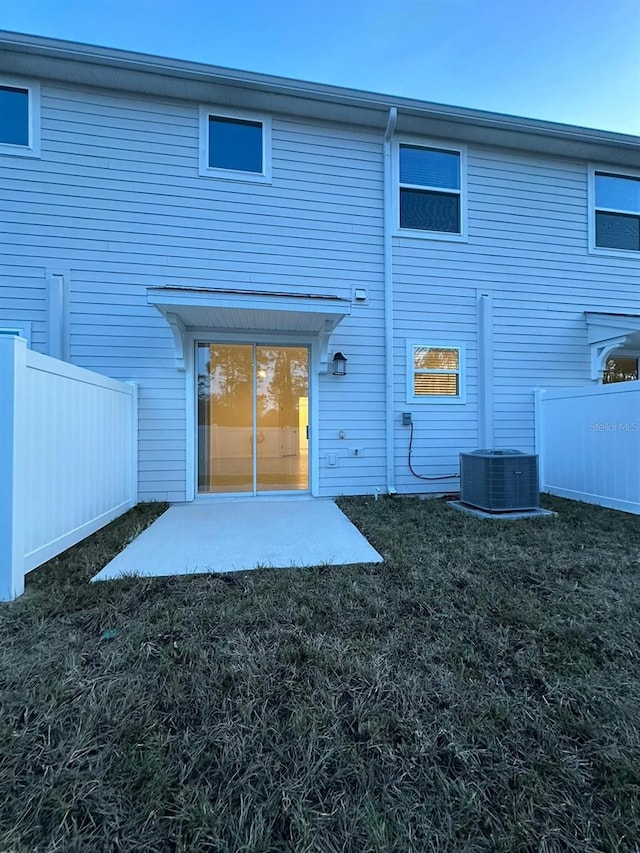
pixel 13 362
pixel 538 396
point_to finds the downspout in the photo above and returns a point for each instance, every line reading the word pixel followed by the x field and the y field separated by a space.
pixel 388 299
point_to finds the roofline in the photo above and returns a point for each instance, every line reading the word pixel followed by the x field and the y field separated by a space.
pixel 65 56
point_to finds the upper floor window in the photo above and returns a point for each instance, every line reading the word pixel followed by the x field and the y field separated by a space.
pixel 234 146
pixel 431 190
pixel 19 117
pixel 435 372
pixel 616 212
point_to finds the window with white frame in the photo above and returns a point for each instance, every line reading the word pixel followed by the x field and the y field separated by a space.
pixel 19 117
pixel 235 146
pixel 616 211
pixel 430 189
pixel 434 371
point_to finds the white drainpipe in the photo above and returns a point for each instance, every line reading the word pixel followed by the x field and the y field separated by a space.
pixel 388 300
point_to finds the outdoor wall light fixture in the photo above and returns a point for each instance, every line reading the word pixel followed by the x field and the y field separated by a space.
pixel 339 364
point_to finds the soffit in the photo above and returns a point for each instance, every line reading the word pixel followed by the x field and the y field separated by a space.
pixel 157 76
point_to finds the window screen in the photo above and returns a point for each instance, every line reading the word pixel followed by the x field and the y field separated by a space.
pixel 430 181
pixel 617 212
pixel 235 144
pixel 14 116
pixel 436 371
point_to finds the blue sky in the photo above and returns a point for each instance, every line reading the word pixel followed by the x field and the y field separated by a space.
pixel 573 61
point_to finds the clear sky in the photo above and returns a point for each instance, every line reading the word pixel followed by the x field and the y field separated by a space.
pixel 572 61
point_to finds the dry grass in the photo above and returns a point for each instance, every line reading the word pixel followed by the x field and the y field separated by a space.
pixel 480 691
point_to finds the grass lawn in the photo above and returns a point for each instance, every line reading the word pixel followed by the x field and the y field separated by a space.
pixel 479 691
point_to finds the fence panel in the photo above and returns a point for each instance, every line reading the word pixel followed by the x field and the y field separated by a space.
pixel 69 454
pixel 588 440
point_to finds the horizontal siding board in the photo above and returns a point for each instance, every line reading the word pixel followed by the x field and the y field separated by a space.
pixel 528 247
pixel 117 199
pixel 118 192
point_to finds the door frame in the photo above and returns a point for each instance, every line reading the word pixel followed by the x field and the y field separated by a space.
pixel 207 336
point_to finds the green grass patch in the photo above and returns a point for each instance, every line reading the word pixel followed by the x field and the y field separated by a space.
pixel 479 691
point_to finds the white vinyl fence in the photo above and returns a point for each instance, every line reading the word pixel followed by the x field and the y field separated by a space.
pixel 588 441
pixel 68 453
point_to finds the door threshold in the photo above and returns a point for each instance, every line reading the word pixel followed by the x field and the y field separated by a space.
pixel 271 496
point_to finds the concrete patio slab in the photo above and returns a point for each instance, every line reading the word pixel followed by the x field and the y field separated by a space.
pixel 232 535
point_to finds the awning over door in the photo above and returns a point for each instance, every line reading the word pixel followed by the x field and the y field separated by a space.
pixel 188 308
pixel 609 332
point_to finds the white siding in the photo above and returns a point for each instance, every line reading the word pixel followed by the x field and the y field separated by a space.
pixel 116 198
pixel 527 246
pixel 23 296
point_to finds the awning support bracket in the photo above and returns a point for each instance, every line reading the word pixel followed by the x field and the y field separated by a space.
pixel 178 331
pixel 324 337
pixel 607 333
pixel 600 353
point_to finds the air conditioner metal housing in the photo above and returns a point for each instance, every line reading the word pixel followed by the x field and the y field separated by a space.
pixel 499 480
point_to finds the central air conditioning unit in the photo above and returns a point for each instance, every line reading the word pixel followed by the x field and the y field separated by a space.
pixel 499 480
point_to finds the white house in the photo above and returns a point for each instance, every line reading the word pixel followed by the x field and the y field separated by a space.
pixel 217 237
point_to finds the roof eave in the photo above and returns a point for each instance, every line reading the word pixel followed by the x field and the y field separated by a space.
pixel 134 72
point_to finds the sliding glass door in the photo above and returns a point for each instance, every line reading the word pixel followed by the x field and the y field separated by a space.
pixel 253 405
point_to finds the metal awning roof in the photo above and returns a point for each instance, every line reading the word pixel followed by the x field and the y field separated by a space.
pixel 223 309
pixel 608 332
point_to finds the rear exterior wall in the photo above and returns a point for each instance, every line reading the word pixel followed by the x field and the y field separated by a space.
pixel 527 248
pixel 116 204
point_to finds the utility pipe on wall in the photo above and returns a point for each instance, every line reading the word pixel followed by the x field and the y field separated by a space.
pixel 57 331
pixel 388 299
pixel 485 370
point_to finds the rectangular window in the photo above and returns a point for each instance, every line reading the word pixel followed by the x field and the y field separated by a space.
pixel 430 187
pixel 434 372
pixel 19 118
pixel 616 212
pixel 14 116
pixel 236 147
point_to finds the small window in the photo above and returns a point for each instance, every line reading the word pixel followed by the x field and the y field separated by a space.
pixel 430 188
pixel 234 147
pixel 616 212
pixel 434 372
pixel 14 116
pixel 19 116
pixel 620 369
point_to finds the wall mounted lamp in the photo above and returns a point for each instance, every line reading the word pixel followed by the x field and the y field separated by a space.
pixel 339 364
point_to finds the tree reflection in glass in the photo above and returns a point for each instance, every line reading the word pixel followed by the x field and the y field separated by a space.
pixel 227 440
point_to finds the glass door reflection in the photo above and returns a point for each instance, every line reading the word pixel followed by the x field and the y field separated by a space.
pixel 253 405
pixel 225 418
pixel 282 395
